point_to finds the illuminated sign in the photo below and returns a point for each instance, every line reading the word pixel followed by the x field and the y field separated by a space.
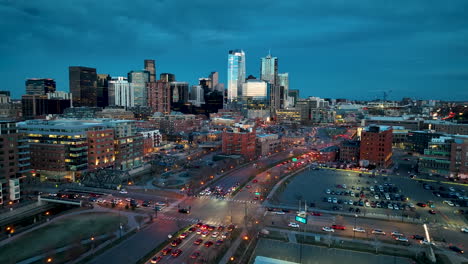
pixel 301 219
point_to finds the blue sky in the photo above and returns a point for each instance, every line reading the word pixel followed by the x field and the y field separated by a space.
pixel 331 48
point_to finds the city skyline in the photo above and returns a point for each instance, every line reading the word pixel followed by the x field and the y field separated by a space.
pixel 331 49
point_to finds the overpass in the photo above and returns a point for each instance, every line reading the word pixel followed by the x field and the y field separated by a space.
pixel 216 144
pixel 52 199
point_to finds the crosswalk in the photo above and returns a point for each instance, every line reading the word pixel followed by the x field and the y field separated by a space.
pixel 445 225
pixel 216 222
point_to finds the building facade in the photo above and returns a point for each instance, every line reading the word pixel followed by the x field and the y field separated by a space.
pixel 239 142
pixel 103 90
pixel 376 146
pixel 138 80
pixel 459 158
pixel 167 77
pixel 159 96
pixel 150 66
pixel 14 161
pixel 121 93
pixel 40 86
pixel 83 86
pixel 235 74
pixel 349 151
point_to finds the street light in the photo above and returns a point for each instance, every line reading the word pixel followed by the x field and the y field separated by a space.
pixel 354 230
pixel 49 260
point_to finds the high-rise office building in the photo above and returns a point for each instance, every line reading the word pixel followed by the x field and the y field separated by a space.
pixel 120 92
pixel 197 95
pixel 103 90
pixel 41 105
pixel 83 86
pixel 179 95
pixel 36 86
pixel 150 66
pixel 235 74
pixel 138 80
pixel 159 96
pixel 283 82
pixel 214 76
pixel 167 77
pixel 269 69
pixel 294 94
pixel 255 94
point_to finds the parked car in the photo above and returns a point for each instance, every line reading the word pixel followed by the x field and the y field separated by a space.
pixel 338 227
pixel 378 232
pixel 328 229
pixel 294 225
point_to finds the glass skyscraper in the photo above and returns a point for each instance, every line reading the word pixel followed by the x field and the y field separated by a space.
pixel 138 80
pixel 236 74
pixel 269 69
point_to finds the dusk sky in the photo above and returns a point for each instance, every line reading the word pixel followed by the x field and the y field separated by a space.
pixel 331 48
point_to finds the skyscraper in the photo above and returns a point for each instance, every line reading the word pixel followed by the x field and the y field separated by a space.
pixel 167 77
pixel 150 66
pixel 35 86
pixel 120 92
pixel 138 80
pixel 83 86
pixel 236 74
pixel 197 96
pixel 214 76
pixel 179 93
pixel 269 69
pixel 269 73
pixel 103 90
pixel 283 82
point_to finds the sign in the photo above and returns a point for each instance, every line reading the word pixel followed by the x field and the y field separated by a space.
pixel 294 160
pixel 301 219
pixel 257 193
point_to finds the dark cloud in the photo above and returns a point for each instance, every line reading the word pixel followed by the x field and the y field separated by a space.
pixel 387 42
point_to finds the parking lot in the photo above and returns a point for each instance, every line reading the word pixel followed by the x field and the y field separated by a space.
pixel 347 191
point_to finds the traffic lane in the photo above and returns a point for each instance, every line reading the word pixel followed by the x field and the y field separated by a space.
pixel 184 246
pixel 315 224
pixel 139 244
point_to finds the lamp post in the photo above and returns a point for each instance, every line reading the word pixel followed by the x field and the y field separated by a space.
pixel 354 229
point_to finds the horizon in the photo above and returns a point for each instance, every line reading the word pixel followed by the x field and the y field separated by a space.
pixel 330 49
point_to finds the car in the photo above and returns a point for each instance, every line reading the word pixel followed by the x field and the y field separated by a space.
pixel 411 205
pixel 225 235
pixel 176 253
pixel 199 224
pixel 335 200
pixel 456 249
pixel 401 239
pixel 328 229
pixel 192 229
pixel 220 228
pixel 204 227
pixel 417 237
pixel 359 229
pixel 395 207
pixel 451 189
pixel 344 186
pixel 255 181
pixel 231 227
pixel 316 213
pixel 421 204
pixel 378 232
pixel 396 233
pixel 219 242
pixel 367 204
pixel 195 255
pixel 449 203
pixel 198 241
pixel 156 259
pixel 292 224
pixel 183 235
pixel 199 231
pixel 425 242
pixel 184 211
pixel 208 244
pixel 210 228
pixel 248 186
pixel 390 206
pixel 432 212
pixel 329 199
pixel 328 191
pixel 123 191
pixel 176 242
pixel 338 227
pixel 215 234
pixel 280 213
pixel 464 229
pixel 205 233
pixel 166 251
pixel 376 197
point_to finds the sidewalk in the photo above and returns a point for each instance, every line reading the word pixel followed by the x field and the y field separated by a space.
pixel 232 249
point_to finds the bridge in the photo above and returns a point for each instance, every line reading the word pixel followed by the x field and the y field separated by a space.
pixel 52 199
pixel 216 144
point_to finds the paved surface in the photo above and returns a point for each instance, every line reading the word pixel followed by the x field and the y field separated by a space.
pixel 319 255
